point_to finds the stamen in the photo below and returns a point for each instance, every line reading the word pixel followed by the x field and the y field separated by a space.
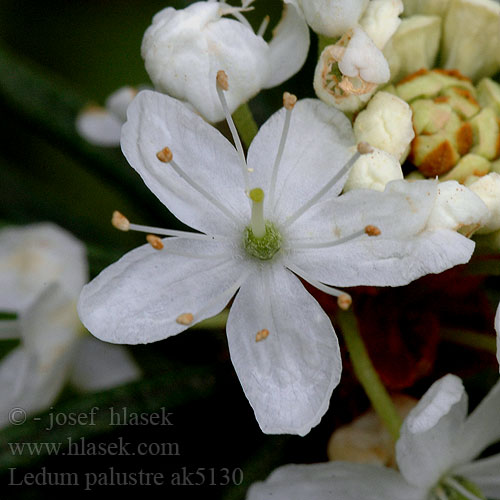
pixel 222 84
pixel 344 300
pixel 226 10
pixel 289 101
pixel 185 319
pixel 167 154
pixel 154 241
pixel 263 26
pixel 120 221
pixel 262 335
pixel 460 489
pixel 362 149
pixel 257 222
pixel 372 230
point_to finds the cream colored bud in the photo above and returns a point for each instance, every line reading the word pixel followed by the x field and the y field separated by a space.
pixel 471 37
pixel 488 189
pixel 414 46
pixel 366 440
pixel 486 129
pixel 468 165
pixel 489 94
pixel 457 208
pixel 386 124
pixel 373 171
pixel 381 20
pixel 427 7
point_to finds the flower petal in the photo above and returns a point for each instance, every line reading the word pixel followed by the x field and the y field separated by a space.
pixel 334 481
pixel 156 121
pixel 288 48
pixel 481 428
pixel 140 298
pixel 402 252
pixel 426 447
pixel 32 257
pixel 317 147
pixel 98 365
pixel 289 376
pixel 484 473
pixel 99 127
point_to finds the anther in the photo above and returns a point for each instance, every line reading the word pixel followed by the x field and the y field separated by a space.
pixel 185 319
pixel 222 80
pixel 165 155
pixel 155 241
pixel 262 335
pixel 120 221
pixel 364 148
pixel 372 230
pixel 289 100
pixel 344 301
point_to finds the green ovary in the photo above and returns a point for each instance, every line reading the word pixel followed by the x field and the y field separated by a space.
pixel 264 248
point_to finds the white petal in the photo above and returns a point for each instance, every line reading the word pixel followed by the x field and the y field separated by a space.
pixel 184 49
pixel 402 252
pixel 334 481
pixel 139 298
pixel 118 102
pixel 99 126
pixel 289 376
pixel 484 473
pixel 98 365
pixel 288 48
pixel 156 121
pixel 381 20
pixel 481 428
pixel 332 18
pixel 426 447
pixel 317 147
pixel 362 58
pixel 32 257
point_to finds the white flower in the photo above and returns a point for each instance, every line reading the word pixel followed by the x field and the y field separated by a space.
pixel 42 271
pixel 330 18
pixel 102 126
pixel 281 343
pixel 183 50
pixel 435 455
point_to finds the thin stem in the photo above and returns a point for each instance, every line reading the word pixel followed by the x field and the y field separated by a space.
pixel 368 377
pixel 475 340
pixel 245 123
pixel 303 244
pixel 460 489
pixel 171 232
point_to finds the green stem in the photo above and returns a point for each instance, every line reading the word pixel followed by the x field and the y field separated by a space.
pixel 245 123
pixel 475 340
pixel 368 377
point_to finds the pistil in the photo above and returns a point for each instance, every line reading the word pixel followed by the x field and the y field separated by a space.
pixel 257 222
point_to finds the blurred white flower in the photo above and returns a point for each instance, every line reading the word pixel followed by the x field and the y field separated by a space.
pixel 281 343
pixel 102 126
pixel 42 271
pixel 435 455
pixel 183 50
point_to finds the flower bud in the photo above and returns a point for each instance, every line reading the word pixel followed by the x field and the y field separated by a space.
pixel 489 94
pixel 373 171
pixel 184 49
pixel 488 189
pixel 457 208
pixel 386 124
pixel 381 20
pixel 468 165
pixel 485 127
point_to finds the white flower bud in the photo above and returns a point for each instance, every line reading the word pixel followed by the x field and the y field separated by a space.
pixel 330 18
pixel 381 20
pixel 457 208
pixel 488 189
pixel 184 49
pixel 373 171
pixel 386 124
